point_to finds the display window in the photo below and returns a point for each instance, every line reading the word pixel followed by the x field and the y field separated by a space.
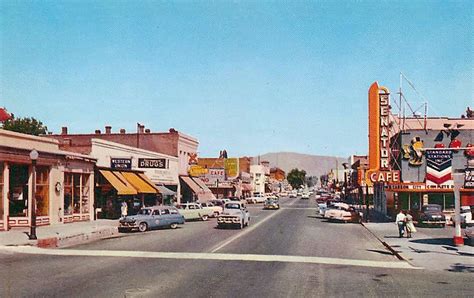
pixel 18 194
pixel 85 194
pixel 42 191
pixel 76 193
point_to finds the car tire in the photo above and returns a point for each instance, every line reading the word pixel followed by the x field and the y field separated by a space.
pixel 204 217
pixel 173 225
pixel 143 227
pixel 216 213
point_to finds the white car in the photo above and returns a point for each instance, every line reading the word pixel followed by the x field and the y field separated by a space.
pixel 216 210
pixel 234 214
pixel 305 195
pixel 293 194
pixel 194 211
pixel 256 198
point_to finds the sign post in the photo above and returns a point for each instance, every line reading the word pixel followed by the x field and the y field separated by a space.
pixel 458 182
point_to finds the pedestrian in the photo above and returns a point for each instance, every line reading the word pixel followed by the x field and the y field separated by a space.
pixel 410 227
pixel 400 221
pixel 124 209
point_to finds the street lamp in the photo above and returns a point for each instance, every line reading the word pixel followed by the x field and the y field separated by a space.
pixel 34 157
pixel 346 166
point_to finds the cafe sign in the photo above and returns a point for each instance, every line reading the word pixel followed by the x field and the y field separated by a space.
pixel 121 163
pixel 379 140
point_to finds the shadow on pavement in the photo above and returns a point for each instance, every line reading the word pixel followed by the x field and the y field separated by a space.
pixel 384 252
pixel 434 241
pixel 458 267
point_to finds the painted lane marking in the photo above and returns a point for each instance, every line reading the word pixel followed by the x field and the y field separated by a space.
pixel 243 233
pixel 207 256
pixel 248 230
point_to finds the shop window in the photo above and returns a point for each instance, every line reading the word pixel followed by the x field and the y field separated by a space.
pixel 403 200
pixel 18 194
pixel 449 201
pixel 436 198
pixel 1 191
pixel 76 192
pixel 42 191
pixel 85 195
pixel 68 194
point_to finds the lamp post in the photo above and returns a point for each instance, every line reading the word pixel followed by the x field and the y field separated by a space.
pixel 34 157
pixel 346 166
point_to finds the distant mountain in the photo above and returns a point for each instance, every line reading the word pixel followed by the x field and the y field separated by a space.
pixel 314 165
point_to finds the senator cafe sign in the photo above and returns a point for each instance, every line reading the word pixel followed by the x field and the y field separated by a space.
pixel 379 140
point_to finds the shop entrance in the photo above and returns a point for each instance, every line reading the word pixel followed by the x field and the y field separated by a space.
pixel 18 194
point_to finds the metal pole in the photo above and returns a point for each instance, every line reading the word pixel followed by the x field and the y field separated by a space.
pixel 458 181
pixel 32 235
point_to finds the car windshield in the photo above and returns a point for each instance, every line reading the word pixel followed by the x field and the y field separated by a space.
pixel 144 212
pixel 232 206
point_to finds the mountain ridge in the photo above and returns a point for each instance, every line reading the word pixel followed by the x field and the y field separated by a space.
pixel 314 165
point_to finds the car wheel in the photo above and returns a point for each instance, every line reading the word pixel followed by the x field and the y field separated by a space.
pixel 216 213
pixel 142 227
pixel 173 225
pixel 204 217
pixel 241 225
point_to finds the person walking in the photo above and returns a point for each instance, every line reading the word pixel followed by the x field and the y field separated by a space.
pixel 400 221
pixel 124 209
pixel 410 227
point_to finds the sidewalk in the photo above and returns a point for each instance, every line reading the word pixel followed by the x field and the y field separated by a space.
pixel 430 248
pixel 61 235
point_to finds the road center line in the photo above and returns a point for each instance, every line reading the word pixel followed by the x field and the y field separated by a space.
pixel 248 230
pixel 243 233
pixel 206 256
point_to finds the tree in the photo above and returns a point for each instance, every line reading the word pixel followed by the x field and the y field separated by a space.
pixel 26 125
pixel 296 178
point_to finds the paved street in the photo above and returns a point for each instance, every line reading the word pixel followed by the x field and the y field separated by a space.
pixel 285 253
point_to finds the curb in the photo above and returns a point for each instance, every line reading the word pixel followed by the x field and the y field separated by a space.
pixel 394 252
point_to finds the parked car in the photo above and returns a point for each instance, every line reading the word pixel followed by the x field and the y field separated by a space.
pixel 431 214
pixel 305 195
pixel 234 214
pixel 256 198
pixel 216 209
pixel 271 204
pixel 342 212
pixel 195 211
pixel 466 216
pixel 293 194
pixel 152 217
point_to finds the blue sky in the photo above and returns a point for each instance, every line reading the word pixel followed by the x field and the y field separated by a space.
pixel 247 76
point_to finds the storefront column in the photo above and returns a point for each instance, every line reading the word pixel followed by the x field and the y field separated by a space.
pixel 30 194
pixel 6 205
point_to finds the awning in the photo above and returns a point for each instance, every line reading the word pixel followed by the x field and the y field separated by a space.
pixel 165 191
pixel 122 187
pixel 138 183
pixel 247 187
pixel 145 177
pixel 206 194
pixel 194 187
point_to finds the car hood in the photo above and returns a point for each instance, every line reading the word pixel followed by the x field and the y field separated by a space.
pixel 134 217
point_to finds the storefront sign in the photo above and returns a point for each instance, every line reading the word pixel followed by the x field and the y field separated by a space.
pixel 214 176
pixel 406 186
pixel 379 139
pixel 469 178
pixel 196 171
pixel 121 163
pixel 156 163
pixel 231 166
pixel 439 169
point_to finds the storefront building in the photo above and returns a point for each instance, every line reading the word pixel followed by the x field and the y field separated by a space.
pixel 425 153
pixel 64 181
pixel 172 143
